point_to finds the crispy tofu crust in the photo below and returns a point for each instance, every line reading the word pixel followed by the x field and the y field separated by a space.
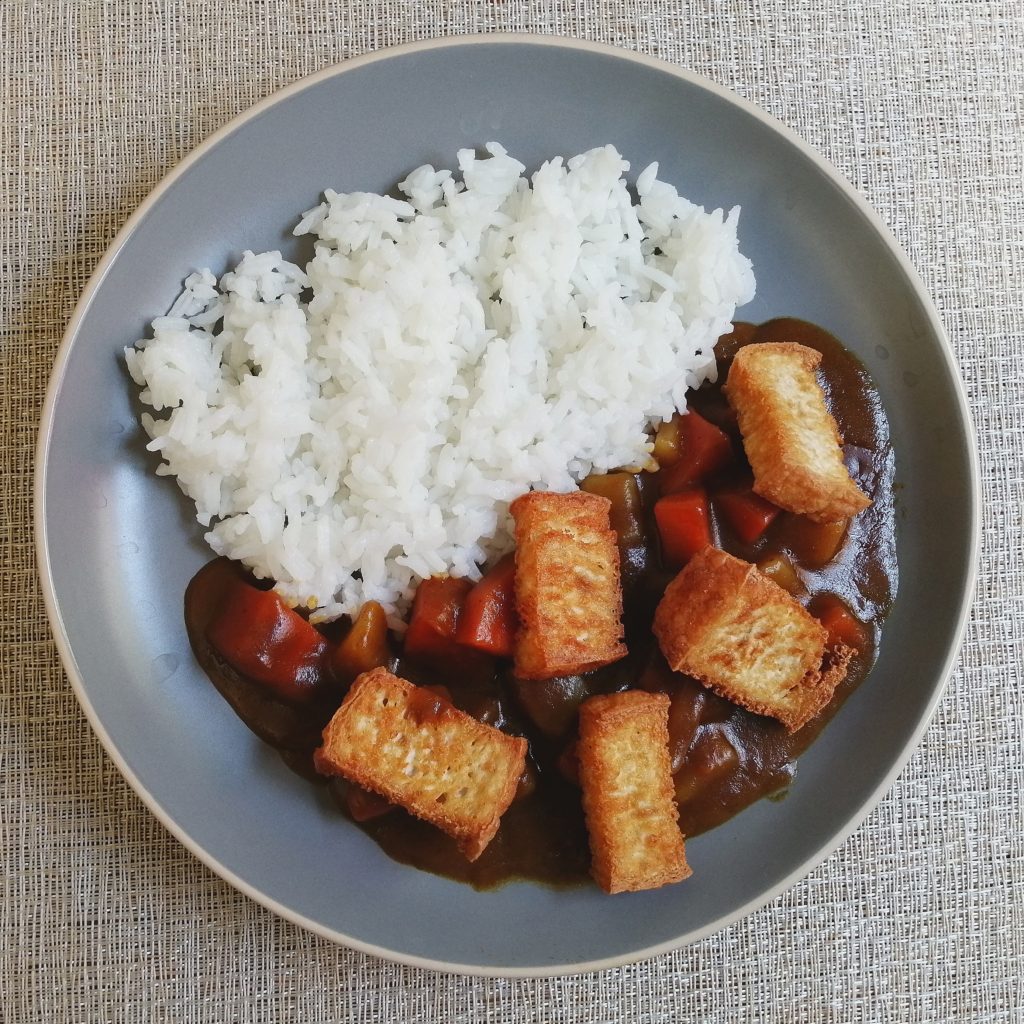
pixel 628 795
pixel 791 439
pixel 420 752
pixel 724 622
pixel 568 590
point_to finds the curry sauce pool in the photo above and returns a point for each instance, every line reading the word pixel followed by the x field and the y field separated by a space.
pixel 723 757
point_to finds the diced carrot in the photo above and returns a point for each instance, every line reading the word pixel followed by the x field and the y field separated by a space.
pixel 747 513
pixel 365 645
pixel 684 525
pixel 435 616
pixel 703 450
pixel 842 625
pixel 261 637
pixel 488 620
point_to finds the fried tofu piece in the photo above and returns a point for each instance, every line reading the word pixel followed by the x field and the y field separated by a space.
pixel 420 752
pixel 791 439
pixel 568 590
pixel 727 624
pixel 628 794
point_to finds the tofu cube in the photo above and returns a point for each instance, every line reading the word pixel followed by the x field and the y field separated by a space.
pixel 791 439
pixel 420 752
pixel 628 793
pixel 567 585
pixel 725 623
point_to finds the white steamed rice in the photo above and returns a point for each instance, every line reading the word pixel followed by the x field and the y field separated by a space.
pixel 477 339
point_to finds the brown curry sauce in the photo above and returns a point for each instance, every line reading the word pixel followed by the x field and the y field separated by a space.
pixel 723 757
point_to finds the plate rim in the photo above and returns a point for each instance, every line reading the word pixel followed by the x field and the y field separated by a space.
pixel 93 286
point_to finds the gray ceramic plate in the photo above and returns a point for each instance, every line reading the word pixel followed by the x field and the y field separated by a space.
pixel 117 545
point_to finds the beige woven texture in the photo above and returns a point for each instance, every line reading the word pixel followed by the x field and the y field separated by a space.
pixel 920 914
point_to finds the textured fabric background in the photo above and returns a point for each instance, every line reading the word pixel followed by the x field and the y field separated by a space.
pixel 918 917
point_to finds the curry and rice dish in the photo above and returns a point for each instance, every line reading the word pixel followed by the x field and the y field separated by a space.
pixel 623 642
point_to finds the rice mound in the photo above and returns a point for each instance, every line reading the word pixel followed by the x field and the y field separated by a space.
pixel 353 427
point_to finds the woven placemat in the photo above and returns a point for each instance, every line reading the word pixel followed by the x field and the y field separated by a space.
pixel 918 917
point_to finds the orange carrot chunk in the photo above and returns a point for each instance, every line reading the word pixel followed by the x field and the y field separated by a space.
pixel 488 619
pixel 435 617
pixel 747 513
pixel 842 626
pixel 261 637
pixel 703 450
pixel 684 525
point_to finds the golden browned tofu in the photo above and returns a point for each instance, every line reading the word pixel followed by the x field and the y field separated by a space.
pixel 420 752
pixel 725 623
pixel 628 794
pixel 568 592
pixel 791 439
